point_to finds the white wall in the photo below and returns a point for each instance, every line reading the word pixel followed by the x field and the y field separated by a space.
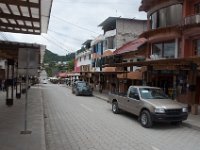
pixel 84 58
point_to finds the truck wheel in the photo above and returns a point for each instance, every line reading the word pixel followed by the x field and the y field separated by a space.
pixel 145 119
pixel 115 108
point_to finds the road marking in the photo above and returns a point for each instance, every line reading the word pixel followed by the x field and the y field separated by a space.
pixel 87 108
pixel 155 148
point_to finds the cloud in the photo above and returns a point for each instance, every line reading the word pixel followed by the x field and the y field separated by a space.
pixel 72 22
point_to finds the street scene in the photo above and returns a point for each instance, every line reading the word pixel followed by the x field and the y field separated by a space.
pixel 99 75
pixel 86 122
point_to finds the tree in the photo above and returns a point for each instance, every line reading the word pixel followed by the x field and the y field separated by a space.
pixel 71 65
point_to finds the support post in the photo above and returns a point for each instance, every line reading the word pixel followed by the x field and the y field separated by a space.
pixel 9 82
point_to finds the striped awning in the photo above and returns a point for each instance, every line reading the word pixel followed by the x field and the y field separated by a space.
pixel 25 16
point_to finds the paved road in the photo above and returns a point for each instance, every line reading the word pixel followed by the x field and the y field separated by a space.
pixel 87 123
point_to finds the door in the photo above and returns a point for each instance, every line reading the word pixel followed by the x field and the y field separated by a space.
pixel 133 101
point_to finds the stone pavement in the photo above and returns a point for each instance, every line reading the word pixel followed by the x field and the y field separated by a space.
pixel 12 122
pixel 193 121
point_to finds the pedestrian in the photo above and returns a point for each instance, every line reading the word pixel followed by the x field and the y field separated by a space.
pixel 3 85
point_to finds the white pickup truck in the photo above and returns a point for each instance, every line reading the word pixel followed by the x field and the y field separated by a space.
pixel 150 104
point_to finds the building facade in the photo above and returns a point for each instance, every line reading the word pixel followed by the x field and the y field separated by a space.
pixel 117 32
pixel 174 35
pixel 83 62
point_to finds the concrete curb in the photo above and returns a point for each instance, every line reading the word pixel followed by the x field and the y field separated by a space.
pixel 99 97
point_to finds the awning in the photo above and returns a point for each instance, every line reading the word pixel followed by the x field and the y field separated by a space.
pixel 160 62
pixel 28 17
pixel 130 46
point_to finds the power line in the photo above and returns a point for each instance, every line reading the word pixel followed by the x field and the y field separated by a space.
pixel 59 42
pixel 61 34
pixel 75 25
pixel 56 44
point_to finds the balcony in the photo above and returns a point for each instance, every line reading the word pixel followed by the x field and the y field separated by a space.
pixel 192 20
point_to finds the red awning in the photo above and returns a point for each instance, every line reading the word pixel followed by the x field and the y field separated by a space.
pixel 130 46
pixel 62 75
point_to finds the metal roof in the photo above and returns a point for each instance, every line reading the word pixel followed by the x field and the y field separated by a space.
pixel 131 46
pixel 25 16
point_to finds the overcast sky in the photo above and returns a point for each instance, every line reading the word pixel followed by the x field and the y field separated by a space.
pixel 72 22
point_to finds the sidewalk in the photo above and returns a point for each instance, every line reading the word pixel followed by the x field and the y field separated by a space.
pixel 193 121
pixel 12 122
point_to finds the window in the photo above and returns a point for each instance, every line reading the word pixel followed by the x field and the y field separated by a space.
pixel 168 16
pixel 164 50
pixel 134 93
pixel 169 50
pixel 85 57
pixel 197 8
pixel 197 47
pixel 157 49
pixel 80 58
pixel 110 43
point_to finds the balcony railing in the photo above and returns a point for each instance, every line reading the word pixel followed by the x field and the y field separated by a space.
pixel 190 20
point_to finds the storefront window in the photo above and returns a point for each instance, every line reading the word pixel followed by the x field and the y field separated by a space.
pixel 197 47
pixel 157 50
pixel 169 50
pixel 164 50
pixel 197 8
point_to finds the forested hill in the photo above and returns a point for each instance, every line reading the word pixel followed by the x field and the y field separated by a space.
pixel 49 57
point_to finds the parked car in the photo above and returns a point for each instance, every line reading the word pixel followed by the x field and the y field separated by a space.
pixel 44 81
pixel 150 104
pixel 81 88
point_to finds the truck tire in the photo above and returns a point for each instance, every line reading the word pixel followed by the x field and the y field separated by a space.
pixel 145 119
pixel 115 108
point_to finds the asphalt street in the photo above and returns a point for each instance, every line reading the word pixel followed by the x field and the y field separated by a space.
pixel 87 123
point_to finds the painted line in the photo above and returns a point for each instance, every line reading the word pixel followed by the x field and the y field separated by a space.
pixel 87 108
pixel 154 148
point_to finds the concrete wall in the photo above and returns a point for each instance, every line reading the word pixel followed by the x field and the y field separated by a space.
pixel 128 30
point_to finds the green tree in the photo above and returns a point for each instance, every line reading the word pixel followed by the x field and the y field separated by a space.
pixel 71 65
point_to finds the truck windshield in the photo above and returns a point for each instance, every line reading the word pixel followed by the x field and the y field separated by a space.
pixel 152 93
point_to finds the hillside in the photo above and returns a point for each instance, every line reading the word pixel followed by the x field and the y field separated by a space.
pixel 50 57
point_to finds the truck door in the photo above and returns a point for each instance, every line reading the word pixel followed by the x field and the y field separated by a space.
pixel 133 101
pixel 122 100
